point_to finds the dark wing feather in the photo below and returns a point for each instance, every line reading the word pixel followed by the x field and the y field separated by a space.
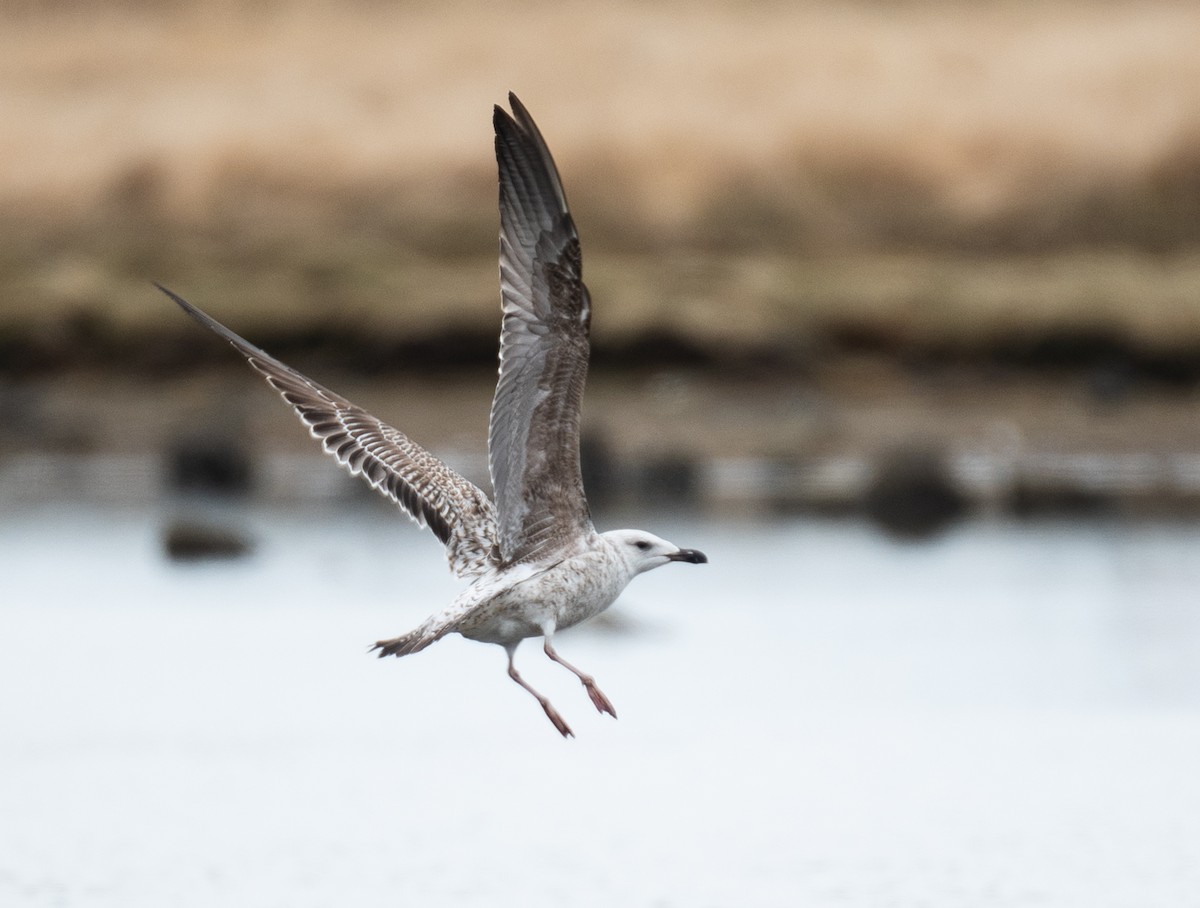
pixel 534 431
pixel 456 510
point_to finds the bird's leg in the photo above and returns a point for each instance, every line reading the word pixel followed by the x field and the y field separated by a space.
pixel 601 702
pixel 551 712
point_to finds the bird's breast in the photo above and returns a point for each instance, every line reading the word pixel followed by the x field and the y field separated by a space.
pixel 561 596
pixel 582 587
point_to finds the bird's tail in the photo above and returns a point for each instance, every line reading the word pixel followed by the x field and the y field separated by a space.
pixel 412 642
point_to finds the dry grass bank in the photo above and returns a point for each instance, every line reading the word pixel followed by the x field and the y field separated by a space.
pixel 948 171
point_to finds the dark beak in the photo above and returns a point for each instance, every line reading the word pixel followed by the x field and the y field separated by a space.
pixel 691 556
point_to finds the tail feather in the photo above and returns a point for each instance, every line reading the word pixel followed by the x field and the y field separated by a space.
pixel 412 642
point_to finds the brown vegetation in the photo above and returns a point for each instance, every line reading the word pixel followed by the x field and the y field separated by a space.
pixel 949 174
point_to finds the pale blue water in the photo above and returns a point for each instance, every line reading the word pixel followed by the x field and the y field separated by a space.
pixel 1007 716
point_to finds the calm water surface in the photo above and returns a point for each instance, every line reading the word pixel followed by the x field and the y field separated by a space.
pixel 1007 716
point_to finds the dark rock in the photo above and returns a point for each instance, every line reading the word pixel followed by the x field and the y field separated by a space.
pixel 913 495
pixel 212 466
pixel 187 540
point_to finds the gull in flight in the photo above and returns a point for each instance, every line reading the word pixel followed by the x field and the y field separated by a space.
pixel 535 562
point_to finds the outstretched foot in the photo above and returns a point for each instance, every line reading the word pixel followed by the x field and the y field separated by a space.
pixel 552 714
pixel 600 701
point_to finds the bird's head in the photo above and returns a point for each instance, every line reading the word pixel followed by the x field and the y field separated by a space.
pixel 644 551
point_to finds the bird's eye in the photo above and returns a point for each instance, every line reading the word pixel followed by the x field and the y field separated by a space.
pixel 642 544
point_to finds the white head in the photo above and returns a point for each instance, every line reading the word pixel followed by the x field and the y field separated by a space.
pixel 644 551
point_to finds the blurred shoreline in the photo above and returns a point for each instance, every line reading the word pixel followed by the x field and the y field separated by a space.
pixel 912 448
pixel 841 246
pixel 927 175
pixel 746 312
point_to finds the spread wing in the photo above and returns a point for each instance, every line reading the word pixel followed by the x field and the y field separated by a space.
pixel 533 439
pixel 431 493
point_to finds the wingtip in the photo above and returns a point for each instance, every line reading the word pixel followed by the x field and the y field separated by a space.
pixel 520 114
pixel 528 149
pixel 199 315
pixel 506 120
pixel 175 297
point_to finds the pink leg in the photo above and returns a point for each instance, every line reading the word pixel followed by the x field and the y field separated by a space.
pixel 551 712
pixel 601 702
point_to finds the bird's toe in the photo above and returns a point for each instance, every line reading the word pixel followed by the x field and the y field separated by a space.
pixel 601 702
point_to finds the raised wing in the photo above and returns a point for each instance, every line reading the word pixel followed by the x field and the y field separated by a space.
pixel 533 440
pixel 431 493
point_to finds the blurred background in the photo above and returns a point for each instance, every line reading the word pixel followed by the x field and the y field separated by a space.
pixel 897 317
